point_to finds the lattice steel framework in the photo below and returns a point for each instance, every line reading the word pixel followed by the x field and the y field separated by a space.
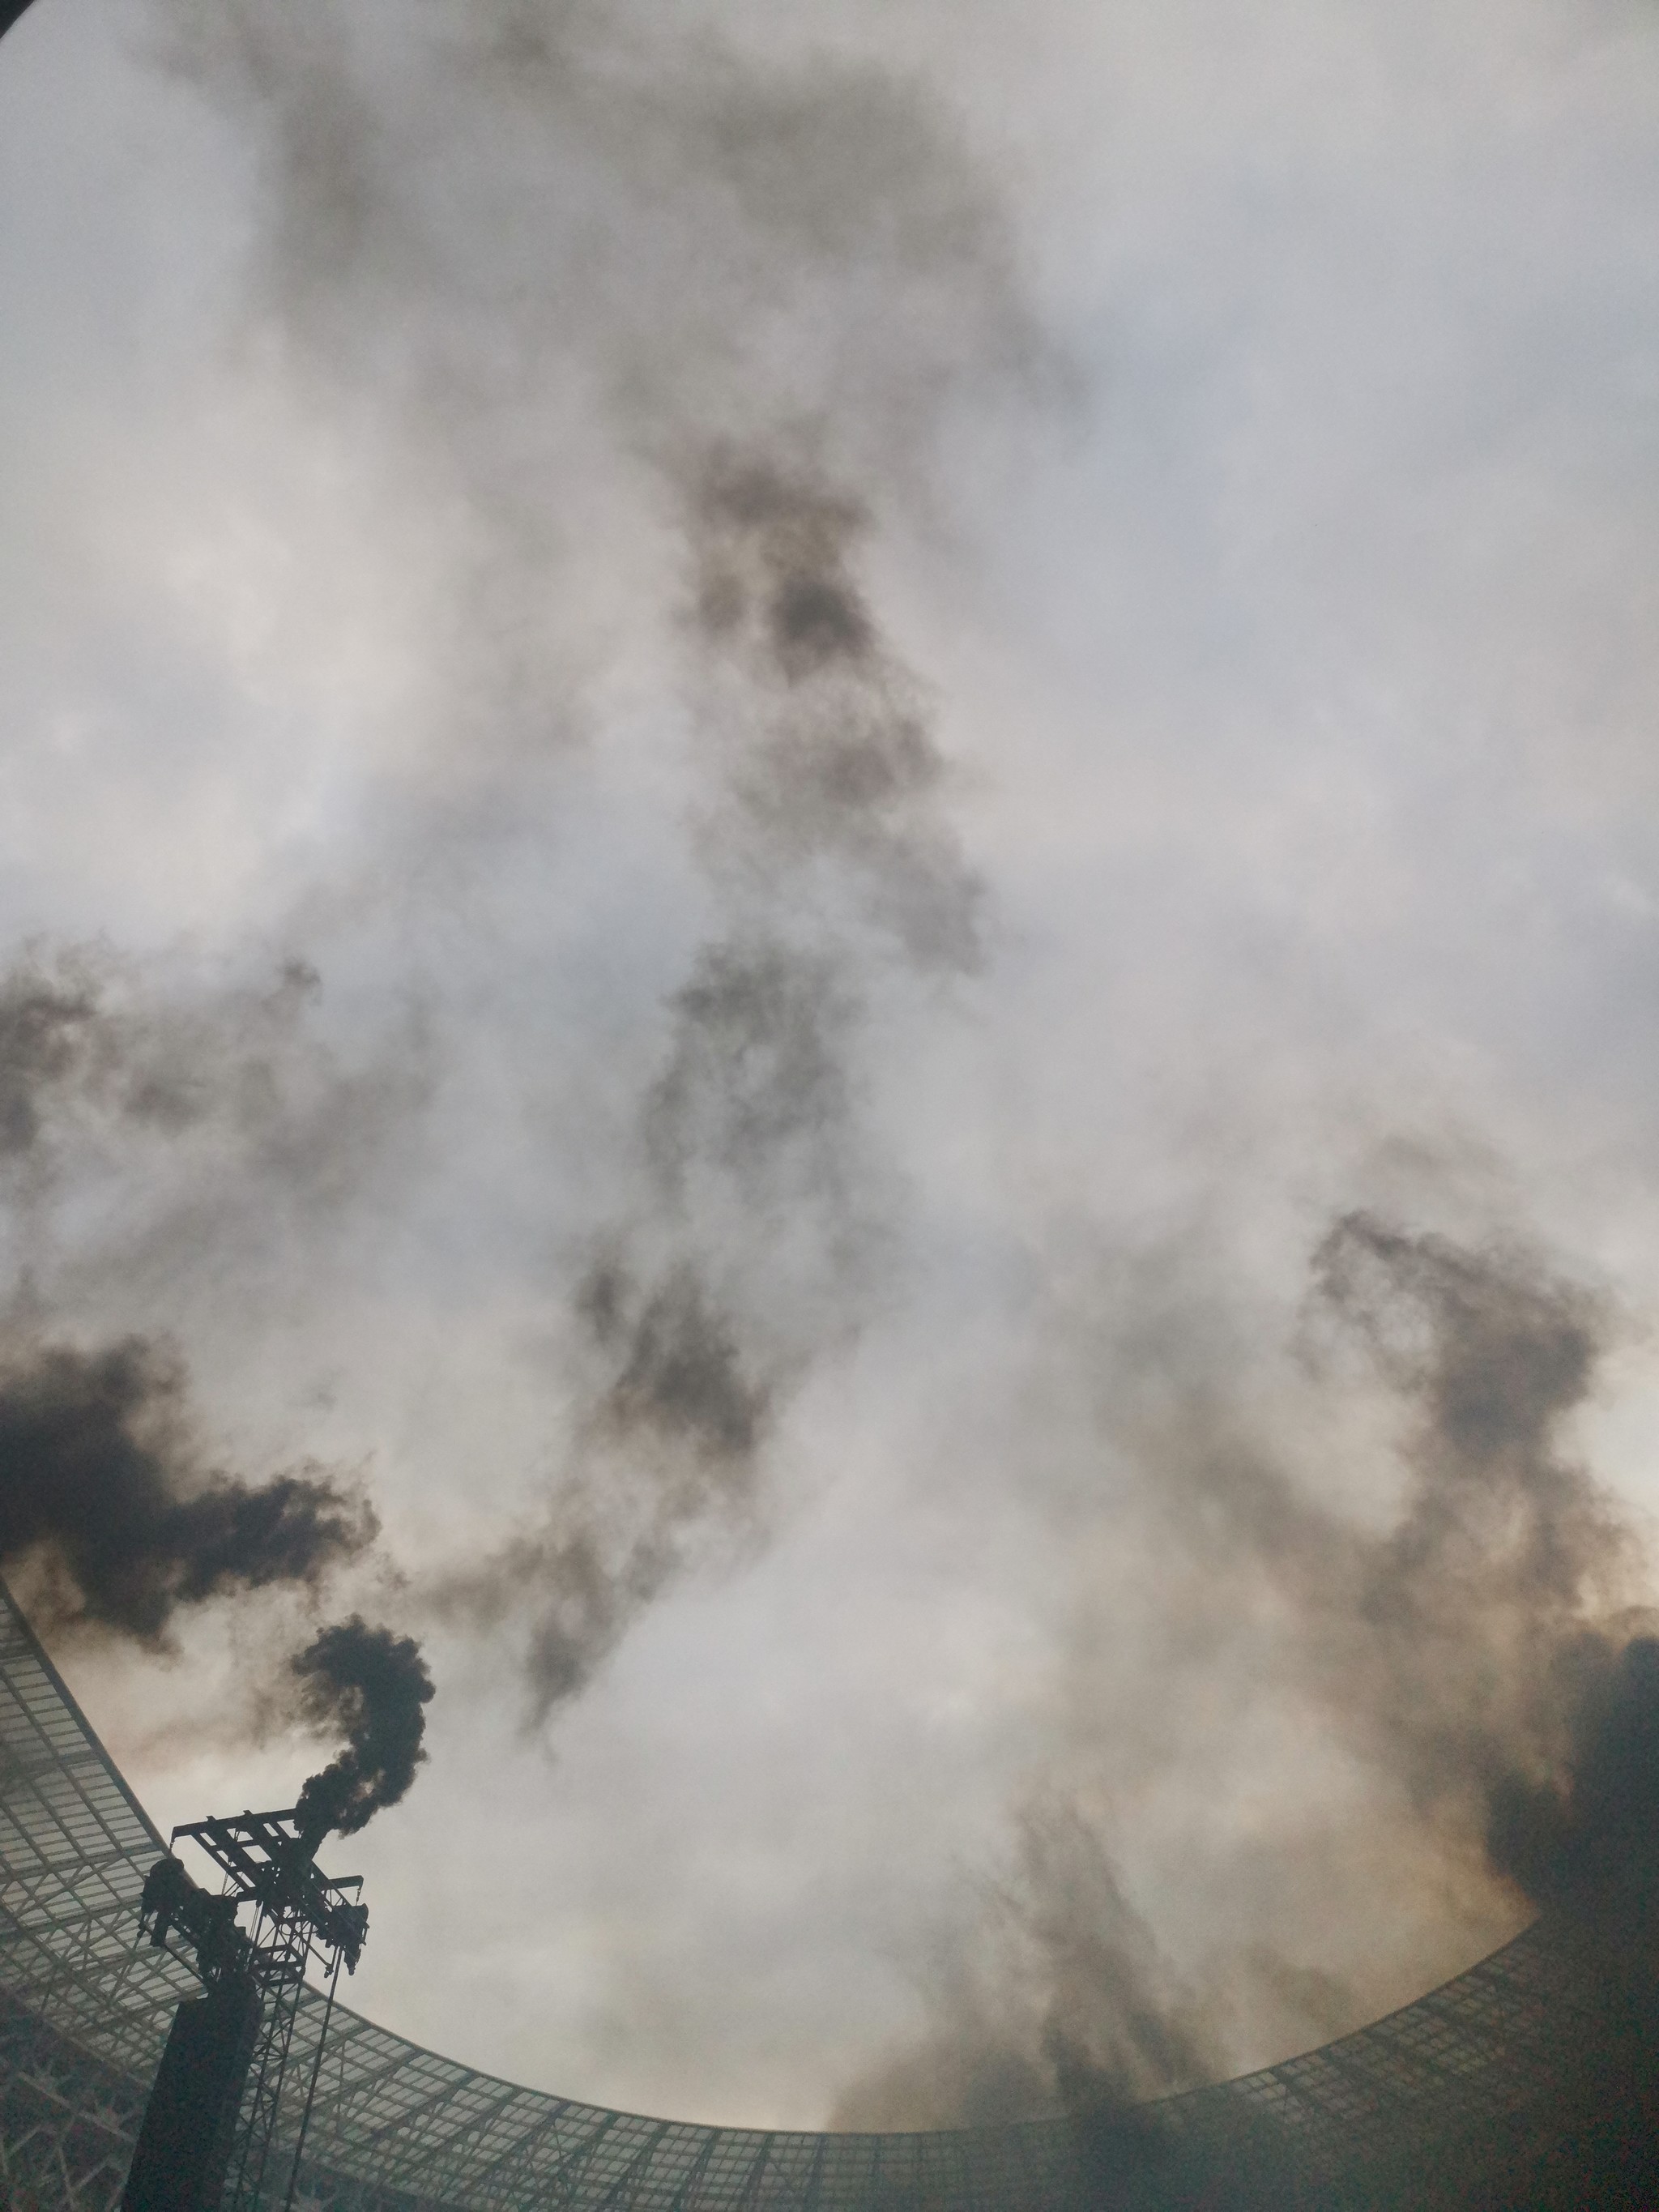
pixel 1481 2071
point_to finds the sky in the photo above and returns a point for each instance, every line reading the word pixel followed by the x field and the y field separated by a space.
pixel 831 832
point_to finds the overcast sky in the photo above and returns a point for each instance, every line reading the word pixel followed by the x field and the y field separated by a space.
pixel 778 742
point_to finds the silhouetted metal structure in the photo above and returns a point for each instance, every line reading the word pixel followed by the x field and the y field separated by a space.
pixel 1527 2083
pixel 206 2138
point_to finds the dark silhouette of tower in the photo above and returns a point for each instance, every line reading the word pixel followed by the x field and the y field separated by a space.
pixel 189 2130
pixel 213 2113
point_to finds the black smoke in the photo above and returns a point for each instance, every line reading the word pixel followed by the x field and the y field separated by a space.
pixel 794 201
pixel 103 1485
pixel 835 781
pixel 680 1370
pixel 1594 1825
pixel 372 1685
pixel 107 1498
pixel 1478 1651
pixel 1485 1667
pixel 744 1264
pixel 45 1019
pixel 87 1038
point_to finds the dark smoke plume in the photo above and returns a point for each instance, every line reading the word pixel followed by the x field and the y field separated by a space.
pixel 102 1480
pixel 1055 1995
pixel 84 1035
pixel 1595 1823
pixel 680 1373
pixel 373 1685
pixel 1486 1628
pixel 44 1021
pixel 1480 1652
pixel 744 1264
pixel 103 1492
pixel 832 768
pixel 798 273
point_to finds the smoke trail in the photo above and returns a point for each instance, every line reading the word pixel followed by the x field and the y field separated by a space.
pixel 103 1488
pixel 374 1686
pixel 747 1265
pixel 1481 1655
pixel 834 777
pixel 691 1330
pixel 44 1020
pixel 158 1127
pixel 744 1263
pixel 1054 1993
pixel 1480 1612
pixel 796 274
pixel 105 1499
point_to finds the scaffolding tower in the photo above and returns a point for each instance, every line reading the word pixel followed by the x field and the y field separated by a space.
pixel 207 2131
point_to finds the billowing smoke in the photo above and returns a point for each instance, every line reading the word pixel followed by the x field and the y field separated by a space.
pixel 745 1260
pixel 821 200
pixel 372 1687
pixel 1594 1822
pixel 1053 1994
pixel 119 1523
pixel 1478 1652
pixel 104 1492
pixel 1475 1619
pixel 43 1019
pixel 835 781
pixel 622 368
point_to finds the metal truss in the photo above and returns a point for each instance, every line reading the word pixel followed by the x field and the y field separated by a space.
pixel 300 1918
pixel 1458 2086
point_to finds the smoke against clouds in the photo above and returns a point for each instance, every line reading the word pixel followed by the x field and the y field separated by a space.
pixel 832 764
pixel 103 1492
pixel 83 1039
pixel 110 1509
pixel 743 1259
pixel 372 1687
pixel 1508 1552
pixel 564 553
pixel 42 1021
pixel 179 1109
pixel 114 1526
pixel 680 1375
pixel 1476 1653
pixel 1056 1995
pixel 649 206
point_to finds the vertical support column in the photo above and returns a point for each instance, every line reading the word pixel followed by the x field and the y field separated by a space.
pixel 190 2123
